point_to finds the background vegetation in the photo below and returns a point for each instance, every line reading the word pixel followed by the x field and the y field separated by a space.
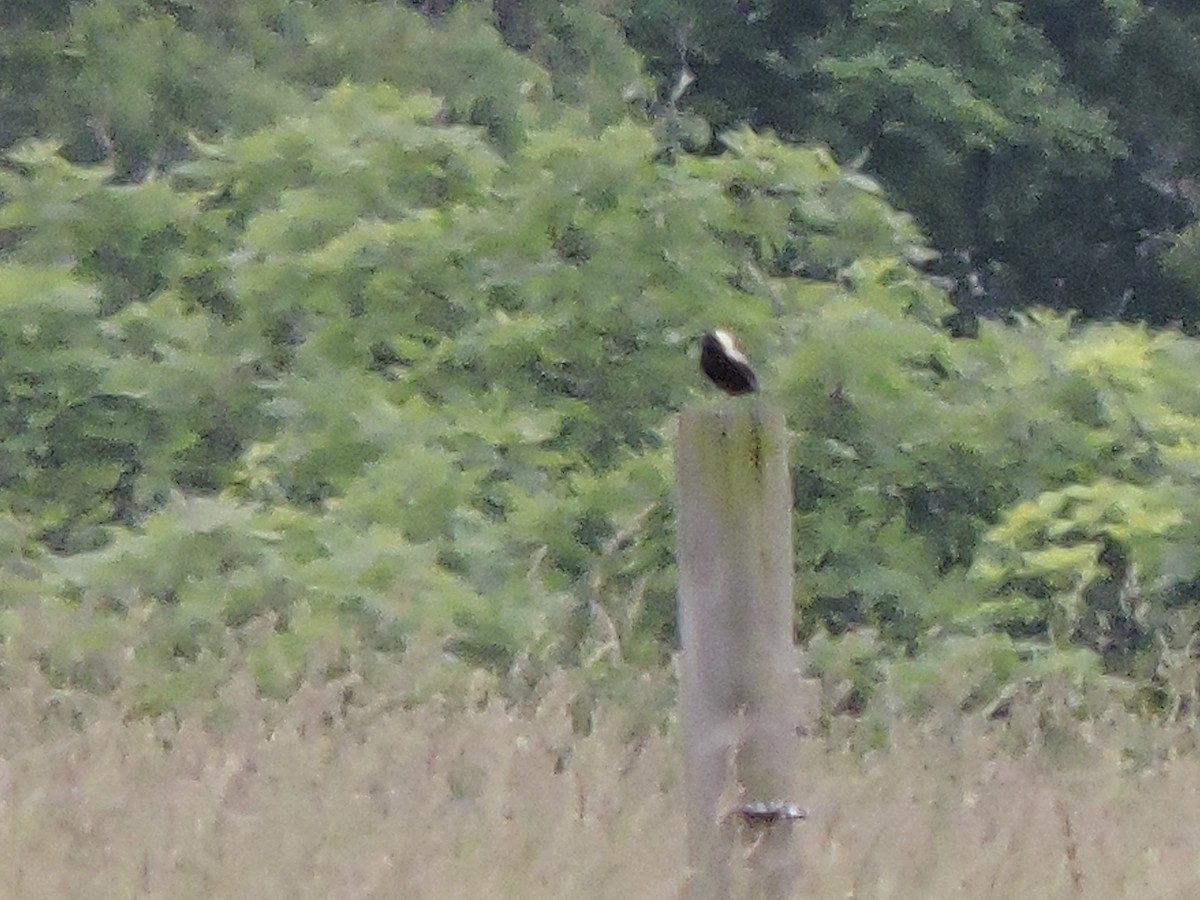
pixel 334 327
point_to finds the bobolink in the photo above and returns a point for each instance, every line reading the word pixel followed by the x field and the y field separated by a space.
pixel 723 361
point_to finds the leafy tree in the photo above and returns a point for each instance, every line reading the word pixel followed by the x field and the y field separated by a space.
pixel 1043 172
pixel 402 363
pixel 422 341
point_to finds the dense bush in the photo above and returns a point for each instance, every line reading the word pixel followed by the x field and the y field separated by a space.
pixel 400 363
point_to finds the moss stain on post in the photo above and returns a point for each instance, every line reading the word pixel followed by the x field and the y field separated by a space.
pixel 734 446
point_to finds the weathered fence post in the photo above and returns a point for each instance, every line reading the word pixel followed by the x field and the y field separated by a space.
pixel 733 509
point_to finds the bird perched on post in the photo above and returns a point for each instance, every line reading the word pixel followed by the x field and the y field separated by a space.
pixel 723 361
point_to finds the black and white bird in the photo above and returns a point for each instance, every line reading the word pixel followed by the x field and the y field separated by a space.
pixel 723 361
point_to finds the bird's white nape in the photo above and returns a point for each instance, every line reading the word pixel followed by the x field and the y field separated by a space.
pixel 729 346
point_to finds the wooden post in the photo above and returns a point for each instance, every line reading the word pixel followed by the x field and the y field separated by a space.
pixel 733 510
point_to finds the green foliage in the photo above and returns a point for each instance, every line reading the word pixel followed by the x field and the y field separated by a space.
pixel 1036 482
pixel 401 363
pixel 1045 146
pixel 364 316
pixel 1107 560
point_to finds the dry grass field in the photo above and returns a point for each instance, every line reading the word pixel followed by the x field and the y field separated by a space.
pixel 315 798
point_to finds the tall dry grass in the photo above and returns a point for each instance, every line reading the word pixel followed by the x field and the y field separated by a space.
pixel 328 796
